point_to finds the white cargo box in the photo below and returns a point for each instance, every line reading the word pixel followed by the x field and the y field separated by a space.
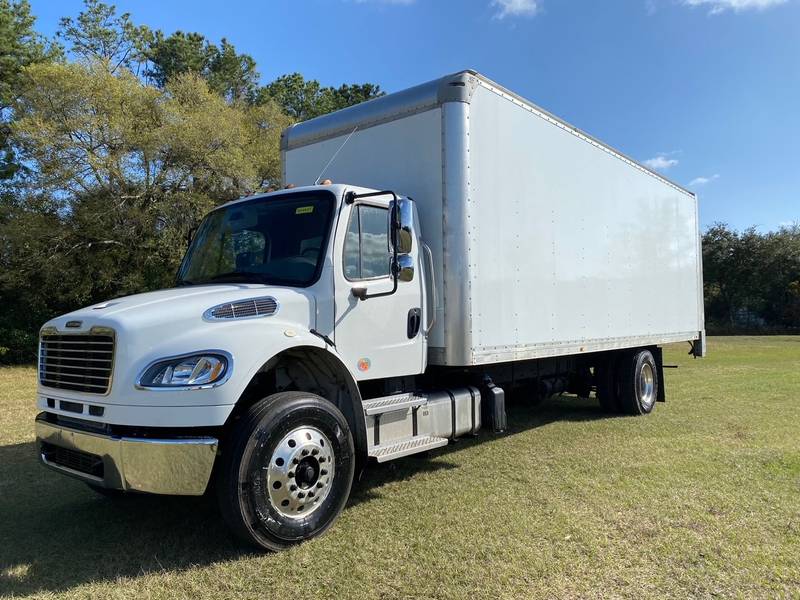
pixel 546 242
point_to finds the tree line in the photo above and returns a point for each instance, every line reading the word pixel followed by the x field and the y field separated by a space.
pixel 115 140
pixel 752 280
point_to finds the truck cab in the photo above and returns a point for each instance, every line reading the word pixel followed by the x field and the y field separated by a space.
pixel 313 291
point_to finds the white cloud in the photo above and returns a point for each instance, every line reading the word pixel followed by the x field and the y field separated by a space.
pixel 703 180
pixel 720 6
pixel 515 8
pixel 661 162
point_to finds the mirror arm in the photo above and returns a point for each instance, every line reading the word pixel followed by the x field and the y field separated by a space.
pixel 361 292
pixel 351 196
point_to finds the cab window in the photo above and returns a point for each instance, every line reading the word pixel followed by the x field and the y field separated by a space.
pixel 366 245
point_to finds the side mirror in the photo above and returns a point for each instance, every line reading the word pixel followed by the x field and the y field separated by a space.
pixel 401 234
pixel 404 226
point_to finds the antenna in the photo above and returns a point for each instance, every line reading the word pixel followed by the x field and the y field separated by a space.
pixel 335 154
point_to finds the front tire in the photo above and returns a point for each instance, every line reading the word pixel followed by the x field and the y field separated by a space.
pixel 287 470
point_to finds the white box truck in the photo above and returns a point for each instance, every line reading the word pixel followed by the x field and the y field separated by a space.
pixel 472 243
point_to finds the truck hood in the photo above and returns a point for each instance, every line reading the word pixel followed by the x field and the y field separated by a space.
pixel 155 325
pixel 184 304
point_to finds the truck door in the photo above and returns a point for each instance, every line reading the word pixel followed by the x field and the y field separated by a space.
pixel 381 335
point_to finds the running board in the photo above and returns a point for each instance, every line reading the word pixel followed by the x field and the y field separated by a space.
pixel 379 406
pixel 405 447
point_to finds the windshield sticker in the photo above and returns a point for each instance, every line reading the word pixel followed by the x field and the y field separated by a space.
pixel 304 210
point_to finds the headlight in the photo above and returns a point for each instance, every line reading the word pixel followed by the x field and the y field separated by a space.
pixel 186 371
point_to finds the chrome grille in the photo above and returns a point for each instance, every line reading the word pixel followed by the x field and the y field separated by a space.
pixel 244 309
pixel 79 362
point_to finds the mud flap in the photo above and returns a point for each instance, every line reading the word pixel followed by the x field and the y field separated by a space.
pixel 661 393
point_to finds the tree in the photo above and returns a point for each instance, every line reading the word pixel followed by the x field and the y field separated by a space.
pixel 179 53
pixel 727 271
pixel 303 99
pixel 120 172
pixel 99 35
pixel 125 149
pixel 230 74
pixel 752 279
pixel 86 128
pixel 20 46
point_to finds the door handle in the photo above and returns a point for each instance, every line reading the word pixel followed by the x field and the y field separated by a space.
pixel 414 321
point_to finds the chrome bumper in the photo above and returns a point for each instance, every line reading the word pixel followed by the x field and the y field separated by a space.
pixel 180 466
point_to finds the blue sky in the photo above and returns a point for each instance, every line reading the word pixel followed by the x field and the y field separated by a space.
pixel 707 91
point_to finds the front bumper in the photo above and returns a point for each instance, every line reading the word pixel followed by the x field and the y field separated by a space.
pixel 179 466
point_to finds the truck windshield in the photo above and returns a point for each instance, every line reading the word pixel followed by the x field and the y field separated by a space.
pixel 277 240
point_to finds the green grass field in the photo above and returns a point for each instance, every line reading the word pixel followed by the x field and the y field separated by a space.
pixel 700 499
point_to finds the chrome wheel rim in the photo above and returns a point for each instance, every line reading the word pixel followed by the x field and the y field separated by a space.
pixel 300 472
pixel 647 388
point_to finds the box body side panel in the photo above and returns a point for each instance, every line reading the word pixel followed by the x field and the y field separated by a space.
pixel 574 250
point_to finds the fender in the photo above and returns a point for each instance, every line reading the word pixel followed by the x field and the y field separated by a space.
pixel 315 368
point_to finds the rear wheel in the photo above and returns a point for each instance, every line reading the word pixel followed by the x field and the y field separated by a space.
pixel 638 377
pixel 286 473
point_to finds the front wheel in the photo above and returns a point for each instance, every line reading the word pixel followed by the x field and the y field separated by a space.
pixel 287 470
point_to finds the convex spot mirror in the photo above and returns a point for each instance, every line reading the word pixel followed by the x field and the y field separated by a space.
pixel 405 267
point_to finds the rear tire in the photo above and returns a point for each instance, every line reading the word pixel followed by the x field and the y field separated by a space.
pixel 638 375
pixel 287 470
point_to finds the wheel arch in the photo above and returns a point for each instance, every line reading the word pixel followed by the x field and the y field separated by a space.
pixel 315 370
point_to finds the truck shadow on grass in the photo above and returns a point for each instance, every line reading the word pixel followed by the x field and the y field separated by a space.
pixel 522 416
pixel 56 534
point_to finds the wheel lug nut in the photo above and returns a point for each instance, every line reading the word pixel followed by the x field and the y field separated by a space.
pixel 291 473
pixel 322 459
pixel 295 461
pixel 305 453
pixel 301 495
pixel 310 494
pixel 319 484
pixel 323 472
pixel 314 452
pixel 292 488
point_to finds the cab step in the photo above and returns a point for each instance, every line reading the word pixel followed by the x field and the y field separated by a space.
pixel 385 404
pixel 405 447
